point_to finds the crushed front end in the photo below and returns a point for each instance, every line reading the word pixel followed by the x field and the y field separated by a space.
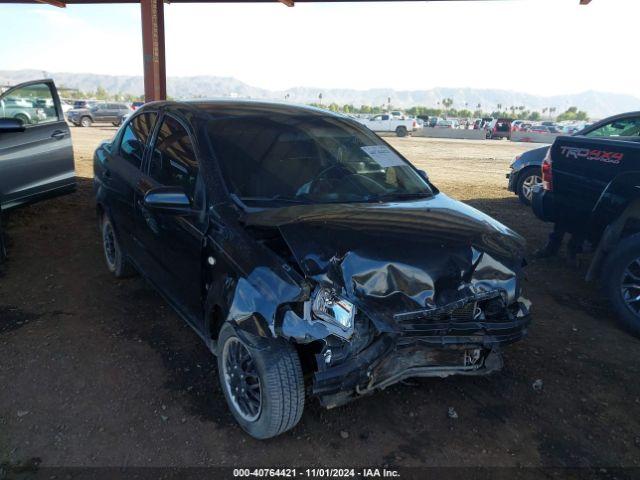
pixel 424 289
pixel 464 337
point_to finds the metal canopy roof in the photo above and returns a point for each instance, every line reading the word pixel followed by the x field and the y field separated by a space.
pixel 152 15
pixel 290 3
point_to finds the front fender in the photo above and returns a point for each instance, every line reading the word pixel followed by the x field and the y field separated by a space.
pixel 619 201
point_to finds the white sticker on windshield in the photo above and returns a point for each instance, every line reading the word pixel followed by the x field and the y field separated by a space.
pixel 383 155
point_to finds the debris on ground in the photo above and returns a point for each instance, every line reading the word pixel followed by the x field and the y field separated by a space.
pixel 451 413
pixel 537 385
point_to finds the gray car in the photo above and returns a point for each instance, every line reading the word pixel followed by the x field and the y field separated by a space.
pixel 36 157
pixel 102 112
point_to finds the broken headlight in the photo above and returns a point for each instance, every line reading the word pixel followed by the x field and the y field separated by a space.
pixel 327 306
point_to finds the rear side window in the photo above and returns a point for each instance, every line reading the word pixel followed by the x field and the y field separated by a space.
pixel 135 137
pixel 173 162
pixel 627 127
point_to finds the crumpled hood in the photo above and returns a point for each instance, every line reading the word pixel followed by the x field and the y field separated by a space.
pixel 398 257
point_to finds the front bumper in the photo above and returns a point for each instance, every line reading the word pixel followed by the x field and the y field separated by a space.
pixel 435 351
pixel 512 177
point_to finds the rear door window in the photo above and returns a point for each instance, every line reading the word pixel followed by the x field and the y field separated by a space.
pixel 135 137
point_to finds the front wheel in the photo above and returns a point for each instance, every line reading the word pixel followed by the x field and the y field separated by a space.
pixel 86 121
pixel 527 180
pixel 401 131
pixel 621 280
pixel 264 388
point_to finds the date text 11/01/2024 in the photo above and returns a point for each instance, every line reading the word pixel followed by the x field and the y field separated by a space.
pixel 316 472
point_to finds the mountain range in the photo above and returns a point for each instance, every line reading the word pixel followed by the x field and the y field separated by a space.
pixel 597 104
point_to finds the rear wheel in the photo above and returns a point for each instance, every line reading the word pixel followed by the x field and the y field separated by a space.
pixel 264 388
pixel 23 118
pixel 86 121
pixel 527 180
pixel 621 280
pixel 401 131
pixel 114 257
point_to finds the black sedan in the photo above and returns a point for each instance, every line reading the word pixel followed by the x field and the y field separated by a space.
pixel 309 255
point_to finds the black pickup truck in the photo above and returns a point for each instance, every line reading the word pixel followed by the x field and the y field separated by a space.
pixel 592 186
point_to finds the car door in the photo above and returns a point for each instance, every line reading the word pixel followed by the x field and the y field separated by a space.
pixel 375 123
pixel 122 165
pixel 38 160
pixel 173 243
pixel 102 113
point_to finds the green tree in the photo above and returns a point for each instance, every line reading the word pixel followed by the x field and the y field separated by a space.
pixel 534 116
pixel 101 93
pixel 572 114
pixel 447 103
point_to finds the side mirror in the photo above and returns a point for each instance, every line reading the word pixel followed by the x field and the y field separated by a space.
pixel 11 125
pixel 168 200
pixel 423 174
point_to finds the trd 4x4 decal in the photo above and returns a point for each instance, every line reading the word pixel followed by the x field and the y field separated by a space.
pixel 597 155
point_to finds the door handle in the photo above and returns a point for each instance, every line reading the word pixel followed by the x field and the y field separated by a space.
pixel 58 135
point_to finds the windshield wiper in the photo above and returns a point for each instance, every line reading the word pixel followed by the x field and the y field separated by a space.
pixel 275 198
pixel 399 196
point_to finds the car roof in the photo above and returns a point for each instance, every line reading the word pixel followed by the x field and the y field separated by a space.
pixel 219 108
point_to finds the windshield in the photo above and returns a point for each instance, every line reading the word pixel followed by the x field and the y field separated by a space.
pixel 309 159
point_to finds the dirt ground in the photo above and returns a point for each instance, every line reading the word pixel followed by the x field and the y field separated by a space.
pixel 100 372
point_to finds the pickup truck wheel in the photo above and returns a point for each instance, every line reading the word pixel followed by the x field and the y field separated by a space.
pixel 264 387
pixel 114 257
pixel 527 179
pixel 86 121
pixel 621 280
pixel 401 131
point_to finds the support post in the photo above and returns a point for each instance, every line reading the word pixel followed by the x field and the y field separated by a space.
pixel 155 76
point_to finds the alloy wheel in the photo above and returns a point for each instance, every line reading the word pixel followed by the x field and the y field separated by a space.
pixel 528 184
pixel 630 286
pixel 241 379
pixel 109 244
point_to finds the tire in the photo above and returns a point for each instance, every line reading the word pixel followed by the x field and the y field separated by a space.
pixel 620 268
pixel 117 124
pixel 23 118
pixel 527 179
pixel 280 386
pixel 86 121
pixel 114 257
pixel 401 131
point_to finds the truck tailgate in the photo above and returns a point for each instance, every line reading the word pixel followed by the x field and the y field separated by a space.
pixel 582 166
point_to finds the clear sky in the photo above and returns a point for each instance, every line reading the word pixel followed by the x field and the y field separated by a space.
pixel 542 47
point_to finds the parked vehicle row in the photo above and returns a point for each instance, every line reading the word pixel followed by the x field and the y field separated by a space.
pixel 285 214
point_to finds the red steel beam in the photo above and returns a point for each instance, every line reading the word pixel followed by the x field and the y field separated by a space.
pixel 55 3
pixel 153 58
pixel 288 3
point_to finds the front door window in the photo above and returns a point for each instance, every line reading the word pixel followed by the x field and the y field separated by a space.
pixel 31 104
